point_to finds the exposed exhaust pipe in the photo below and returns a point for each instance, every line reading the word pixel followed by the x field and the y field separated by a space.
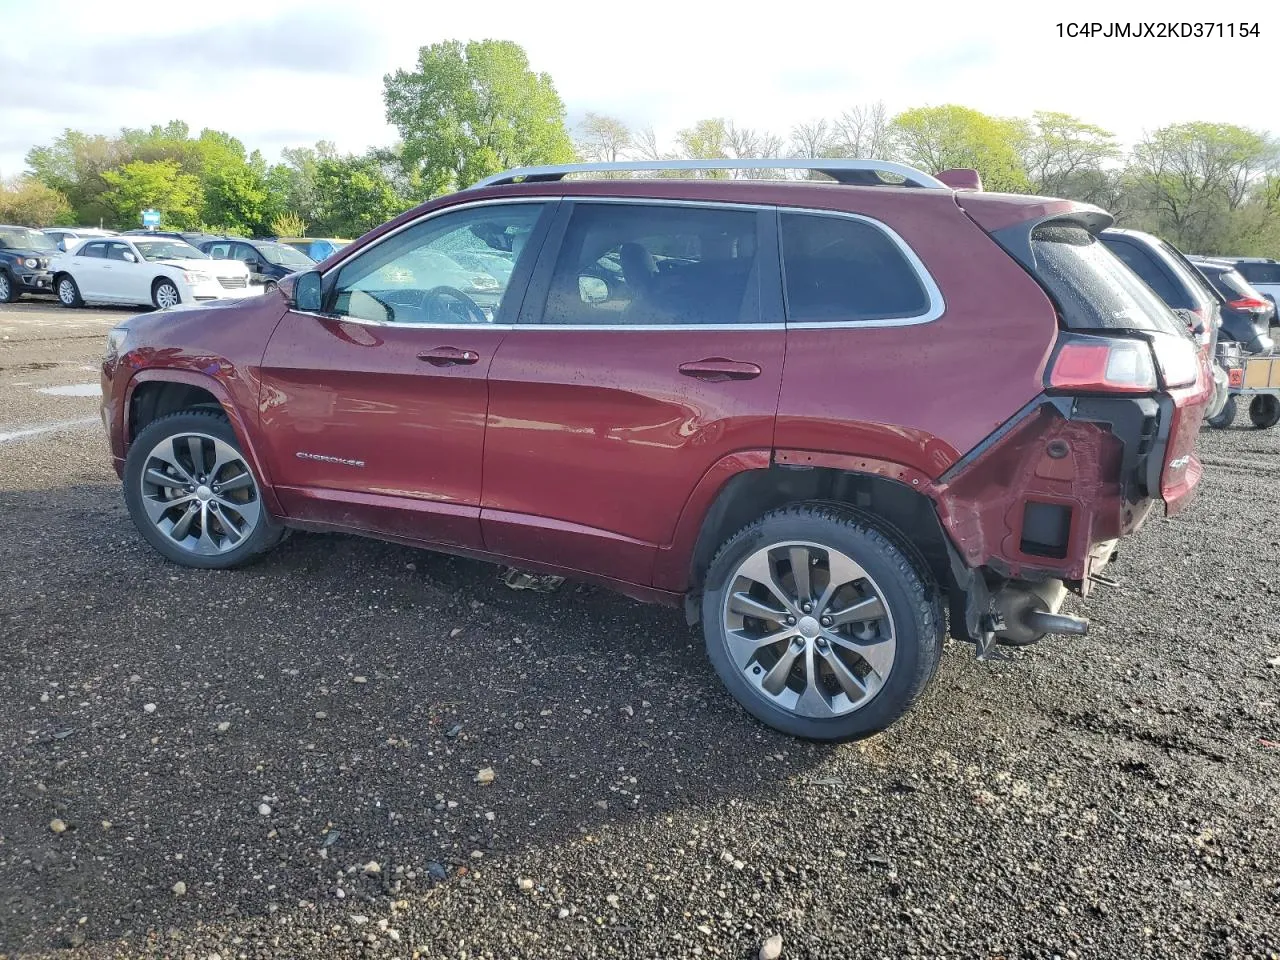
pixel 1030 611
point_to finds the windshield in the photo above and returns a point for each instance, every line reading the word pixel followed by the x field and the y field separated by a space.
pixel 283 255
pixel 1093 287
pixel 20 238
pixel 168 250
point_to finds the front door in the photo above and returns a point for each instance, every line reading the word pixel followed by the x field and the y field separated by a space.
pixel 374 410
pixel 650 347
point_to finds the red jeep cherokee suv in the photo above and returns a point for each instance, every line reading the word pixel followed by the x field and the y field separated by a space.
pixel 827 417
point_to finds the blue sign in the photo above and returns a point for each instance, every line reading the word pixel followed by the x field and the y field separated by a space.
pixel 150 218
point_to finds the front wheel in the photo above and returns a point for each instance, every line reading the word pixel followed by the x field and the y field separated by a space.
pixel 1226 416
pixel 192 494
pixel 165 295
pixel 8 289
pixel 820 624
pixel 1264 411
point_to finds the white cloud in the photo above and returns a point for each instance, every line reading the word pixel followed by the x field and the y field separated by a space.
pixel 313 70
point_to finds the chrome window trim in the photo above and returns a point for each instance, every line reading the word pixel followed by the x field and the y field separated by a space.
pixel 937 305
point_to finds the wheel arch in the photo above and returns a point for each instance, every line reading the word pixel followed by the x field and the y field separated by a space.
pixel 153 394
pixel 901 508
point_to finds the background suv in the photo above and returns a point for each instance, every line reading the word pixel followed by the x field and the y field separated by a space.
pixel 24 262
pixel 267 262
pixel 1246 313
pixel 1261 273
pixel 773 403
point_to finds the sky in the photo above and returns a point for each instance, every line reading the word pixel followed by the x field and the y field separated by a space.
pixel 278 73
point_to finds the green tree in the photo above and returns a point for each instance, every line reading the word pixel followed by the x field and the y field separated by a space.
pixel 73 166
pixel 1066 157
pixel 603 139
pixel 469 111
pixel 1196 178
pixel 235 198
pixel 940 138
pixel 355 196
pixel 27 202
pixel 160 185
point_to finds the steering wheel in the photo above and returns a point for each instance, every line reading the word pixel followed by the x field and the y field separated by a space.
pixel 439 294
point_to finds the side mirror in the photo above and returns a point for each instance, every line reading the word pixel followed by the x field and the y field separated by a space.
pixel 306 292
pixel 130 257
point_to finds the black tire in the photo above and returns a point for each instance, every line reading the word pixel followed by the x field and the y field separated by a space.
pixel 67 290
pixel 1226 416
pixel 210 423
pixel 8 288
pixel 909 592
pixel 1264 411
pixel 162 283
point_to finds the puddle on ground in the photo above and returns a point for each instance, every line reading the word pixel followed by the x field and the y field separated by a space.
pixel 73 390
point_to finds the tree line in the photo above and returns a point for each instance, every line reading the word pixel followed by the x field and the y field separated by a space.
pixel 469 110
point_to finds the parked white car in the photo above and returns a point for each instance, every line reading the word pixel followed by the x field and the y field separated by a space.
pixel 66 238
pixel 145 270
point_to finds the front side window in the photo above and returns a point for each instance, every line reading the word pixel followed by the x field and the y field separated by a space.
pixel 98 250
pixel 639 264
pixel 450 269
pixel 839 269
pixel 219 251
pixel 117 251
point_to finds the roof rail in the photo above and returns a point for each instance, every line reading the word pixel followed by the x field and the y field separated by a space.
pixel 846 171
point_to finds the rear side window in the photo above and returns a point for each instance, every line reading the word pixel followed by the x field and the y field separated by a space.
pixel 1094 290
pixel 838 269
pixel 1260 272
pixel 1142 263
pixel 629 264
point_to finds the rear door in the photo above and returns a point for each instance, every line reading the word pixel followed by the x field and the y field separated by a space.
pixel 374 409
pixel 87 269
pixel 650 348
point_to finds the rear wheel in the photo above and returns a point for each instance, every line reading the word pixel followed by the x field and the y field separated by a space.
pixel 1226 416
pixel 68 292
pixel 1264 411
pixel 820 624
pixel 8 289
pixel 192 494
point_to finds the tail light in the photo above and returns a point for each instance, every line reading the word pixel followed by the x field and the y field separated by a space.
pixel 1180 364
pixel 1248 303
pixel 1102 364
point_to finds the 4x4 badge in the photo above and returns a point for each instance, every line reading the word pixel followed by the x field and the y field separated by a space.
pixel 303 455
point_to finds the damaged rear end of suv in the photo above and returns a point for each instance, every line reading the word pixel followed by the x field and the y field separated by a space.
pixel 1038 508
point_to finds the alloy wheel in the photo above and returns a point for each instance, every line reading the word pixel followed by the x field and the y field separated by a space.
pixel 5 289
pixel 199 493
pixel 67 291
pixel 166 296
pixel 809 629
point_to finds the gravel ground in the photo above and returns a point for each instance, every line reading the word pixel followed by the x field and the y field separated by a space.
pixel 287 761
